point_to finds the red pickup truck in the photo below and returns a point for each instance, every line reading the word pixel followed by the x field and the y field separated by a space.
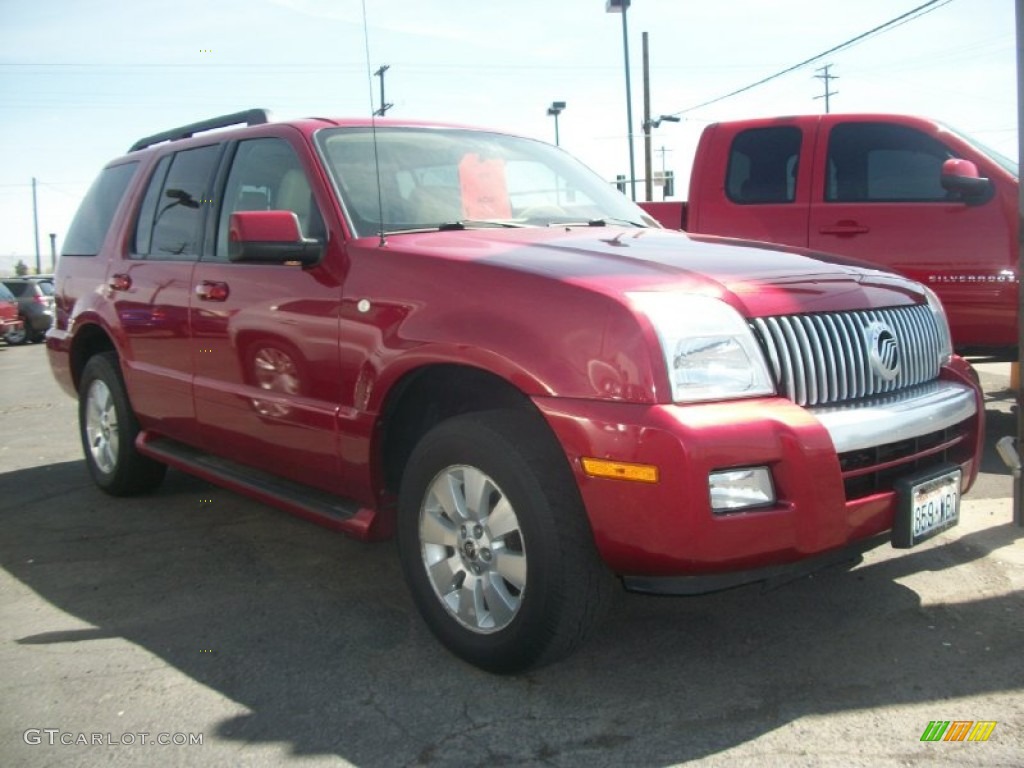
pixel 905 192
pixel 467 340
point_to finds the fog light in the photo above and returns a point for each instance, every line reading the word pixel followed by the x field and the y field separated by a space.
pixel 734 490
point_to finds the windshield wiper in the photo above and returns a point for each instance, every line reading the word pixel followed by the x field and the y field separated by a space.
pixel 448 226
pixel 602 222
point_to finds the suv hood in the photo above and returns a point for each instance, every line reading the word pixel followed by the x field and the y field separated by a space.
pixel 760 279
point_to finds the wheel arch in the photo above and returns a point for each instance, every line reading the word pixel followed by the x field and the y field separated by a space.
pixel 430 394
pixel 89 340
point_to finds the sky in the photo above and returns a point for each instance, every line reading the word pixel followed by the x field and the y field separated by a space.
pixel 81 80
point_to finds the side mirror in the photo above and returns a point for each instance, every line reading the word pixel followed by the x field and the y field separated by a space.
pixel 962 177
pixel 270 237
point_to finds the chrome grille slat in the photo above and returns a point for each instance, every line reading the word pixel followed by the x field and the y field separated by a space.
pixel 823 358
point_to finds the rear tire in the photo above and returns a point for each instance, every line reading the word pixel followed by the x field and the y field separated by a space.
pixel 17 338
pixel 108 428
pixel 495 544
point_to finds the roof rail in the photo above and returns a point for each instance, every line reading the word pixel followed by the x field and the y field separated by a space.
pixel 249 117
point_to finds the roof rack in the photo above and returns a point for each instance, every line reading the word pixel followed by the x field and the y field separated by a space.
pixel 249 117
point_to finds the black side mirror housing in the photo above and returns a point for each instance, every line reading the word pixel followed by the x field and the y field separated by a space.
pixel 961 177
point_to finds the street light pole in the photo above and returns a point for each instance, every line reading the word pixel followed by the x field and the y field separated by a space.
pixel 621 6
pixel 554 111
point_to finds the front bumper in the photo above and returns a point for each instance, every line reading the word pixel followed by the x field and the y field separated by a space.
pixel 827 499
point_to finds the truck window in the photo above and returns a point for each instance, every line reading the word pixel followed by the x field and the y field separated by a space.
pixel 89 228
pixel 171 214
pixel 881 162
pixel 266 175
pixel 763 165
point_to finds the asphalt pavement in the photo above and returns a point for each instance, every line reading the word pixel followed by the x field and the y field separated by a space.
pixel 196 615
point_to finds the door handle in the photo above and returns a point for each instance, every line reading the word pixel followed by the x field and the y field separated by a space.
pixel 210 290
pixel 120 282
pixel 845 227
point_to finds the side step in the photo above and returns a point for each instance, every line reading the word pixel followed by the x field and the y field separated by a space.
pixel 312 504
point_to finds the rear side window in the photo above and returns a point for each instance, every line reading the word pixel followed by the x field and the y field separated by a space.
pixel 169 222
pixel 880 163
pixel 18 289
pixel 5 295
pixel 763 165
pixel 89 227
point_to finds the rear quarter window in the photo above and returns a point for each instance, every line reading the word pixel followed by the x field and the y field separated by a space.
pixel 95 214
pixel 763 165
pixel 17 289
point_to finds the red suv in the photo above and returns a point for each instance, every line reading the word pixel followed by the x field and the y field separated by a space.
pixel 469 341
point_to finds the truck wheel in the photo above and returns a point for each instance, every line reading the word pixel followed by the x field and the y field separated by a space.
pixel 495 545
pixel 109 428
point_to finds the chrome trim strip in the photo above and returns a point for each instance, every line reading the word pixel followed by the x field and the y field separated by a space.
pixel 900 416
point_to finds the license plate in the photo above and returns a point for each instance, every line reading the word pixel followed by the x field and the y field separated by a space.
pixel 928 505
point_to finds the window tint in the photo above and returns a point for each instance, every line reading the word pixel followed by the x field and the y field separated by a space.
pixel 763 165
pixel 266 175
pixel 18 289
pixel 90 225
pixel 878 162
pixel 5 295
pixel 172 210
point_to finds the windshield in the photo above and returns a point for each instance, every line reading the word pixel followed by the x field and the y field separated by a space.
pixel 1009 165
pixel 434 178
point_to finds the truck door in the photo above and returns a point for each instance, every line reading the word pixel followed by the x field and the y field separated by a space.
pixel 765 189
pixel 265 336
pixel 878 197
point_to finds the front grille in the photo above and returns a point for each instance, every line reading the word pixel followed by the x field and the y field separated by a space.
pixel 820 359
pixel 875 470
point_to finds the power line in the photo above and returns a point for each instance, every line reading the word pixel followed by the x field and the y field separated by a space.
pixel 920 10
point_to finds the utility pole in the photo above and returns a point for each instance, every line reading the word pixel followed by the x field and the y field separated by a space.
pixel 648 172
pixel 826 77
pixel 35 224
pixel 384 106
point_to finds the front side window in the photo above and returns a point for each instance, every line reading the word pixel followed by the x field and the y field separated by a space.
pixel 89 228
pixel 884 163
pixel 170 219
pixel 763 165
pixel 423 179
pixel 266 175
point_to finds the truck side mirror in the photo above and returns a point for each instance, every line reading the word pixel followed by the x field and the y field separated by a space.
pixel 962 177
pixel 270 237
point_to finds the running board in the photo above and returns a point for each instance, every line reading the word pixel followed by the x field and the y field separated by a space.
pixel 312 504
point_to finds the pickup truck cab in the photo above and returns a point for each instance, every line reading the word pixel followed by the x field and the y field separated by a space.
pixel 904 192
pixel 466 340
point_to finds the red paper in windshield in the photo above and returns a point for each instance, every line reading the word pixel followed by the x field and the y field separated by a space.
pixel 484 189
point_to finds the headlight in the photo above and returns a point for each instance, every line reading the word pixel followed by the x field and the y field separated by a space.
pixel 941 325
pixel 710 352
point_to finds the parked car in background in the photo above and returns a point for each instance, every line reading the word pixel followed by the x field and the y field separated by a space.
pixel 9 320
pixel 35 307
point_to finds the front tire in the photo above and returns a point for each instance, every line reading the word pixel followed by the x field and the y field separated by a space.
pixel 108 428
pixel 495 545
